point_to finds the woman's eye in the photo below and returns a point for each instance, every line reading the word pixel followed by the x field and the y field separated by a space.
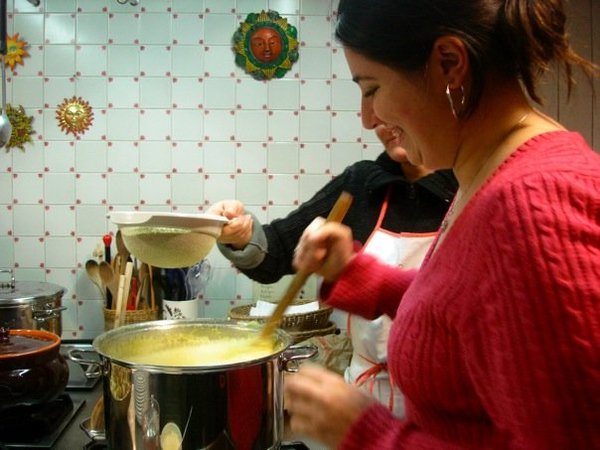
pixel 369 92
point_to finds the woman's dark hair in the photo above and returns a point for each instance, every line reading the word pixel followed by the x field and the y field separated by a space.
pixel 514 38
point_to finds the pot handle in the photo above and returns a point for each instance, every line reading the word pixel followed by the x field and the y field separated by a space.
pixel 289 358
pixel 92 368
pixel 41 315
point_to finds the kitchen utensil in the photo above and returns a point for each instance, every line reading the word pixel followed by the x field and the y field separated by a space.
pixel 107 239
pixel 93 271
pixel 337 213
pixel 31 305
pixel 168 240
pixel 107 275
pixel 32 369
pixel 5 125
pixel 122 252
pixel 222 404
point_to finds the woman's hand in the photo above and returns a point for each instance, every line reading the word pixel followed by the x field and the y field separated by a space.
pixel 324 248
pixel 322 405
pixel 238 231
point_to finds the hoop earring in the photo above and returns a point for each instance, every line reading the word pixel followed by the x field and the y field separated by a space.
pixel 451 101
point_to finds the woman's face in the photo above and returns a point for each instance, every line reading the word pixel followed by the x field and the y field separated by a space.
pixel 407 105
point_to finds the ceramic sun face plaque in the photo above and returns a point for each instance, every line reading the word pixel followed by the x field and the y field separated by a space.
pixel 266 46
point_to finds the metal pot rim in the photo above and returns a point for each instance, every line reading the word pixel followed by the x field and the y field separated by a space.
pixel 102 341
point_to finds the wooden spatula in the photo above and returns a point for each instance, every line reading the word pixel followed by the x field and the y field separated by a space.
pixel 336 214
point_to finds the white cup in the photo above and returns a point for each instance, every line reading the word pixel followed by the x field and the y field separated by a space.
pixel 180 309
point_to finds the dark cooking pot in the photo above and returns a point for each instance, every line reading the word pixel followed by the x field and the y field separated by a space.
pixel 32 370
pixel 160 392
pixel 30 305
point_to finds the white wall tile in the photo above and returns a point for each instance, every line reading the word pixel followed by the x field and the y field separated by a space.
pixel 219 157
pixel 91 60
pixel 33 64
pixel 283 189
pixel 154 157
pixel 29 251
pixel 219 28
pixel 188 5
pixel 283 158
pixel 251 6
pixel 251 157
pixel 315 126
pixel 218 186
pixel 283 125
pixel 345 95
pixel 59 188
pixel 64 6
pixel 188 29
pixel 28 188
pixel 122 124
pixel 123 60
pixel 30 27
pixel 90 188
pixel 187 60
pixel 7 258
pixel 315 7
pixel 285 6
pixel 123 157
pixel 28 220
pixel 92 5
pixel 59 28
pixel 188 189
pixel 56 89
pixel 251 94
pixel 314 62
pixel 315 95
pixel 284 94
pixel 155 28
pixel 123 28
pixel 188 125
pixel 92 28
pixel 187 157
pixel 94 90
pixel 314 158
pixel 308 185
pixel 123 188
pixel 155 60
pixel 251 125
pixel 5 189
pixel 59 220
pixel 28 91
pixel 344 154
pixel 123 92
pixel 155 124
pixel 155 92
pixel 188 92
pixel 91 220
pixel 221 125
pixel 219 61
pixel 155 188
pixel 219 93
pixel 219 6
pixel 251 189
pixel 60 251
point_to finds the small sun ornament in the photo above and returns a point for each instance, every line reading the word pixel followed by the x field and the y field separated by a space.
pixel 266 45
pixel 21 127
pixel 74 116
pixel 15 51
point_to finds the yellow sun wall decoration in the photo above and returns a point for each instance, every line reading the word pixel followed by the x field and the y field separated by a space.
pixel 15 51
pixel 21 127
pixel 74 115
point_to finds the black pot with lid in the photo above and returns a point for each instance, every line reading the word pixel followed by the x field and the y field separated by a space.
pixel 30 305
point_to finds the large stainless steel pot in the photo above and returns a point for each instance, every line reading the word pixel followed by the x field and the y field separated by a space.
pixel 30 305
pixel 229 405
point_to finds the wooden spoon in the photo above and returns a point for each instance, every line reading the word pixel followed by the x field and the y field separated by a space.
pixel 336 214
pixel 107 275
pixel 93 271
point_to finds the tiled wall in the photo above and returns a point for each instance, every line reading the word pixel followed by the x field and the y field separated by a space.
pixel 177 126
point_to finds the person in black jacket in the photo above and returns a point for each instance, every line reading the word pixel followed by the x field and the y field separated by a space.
pixel 396 211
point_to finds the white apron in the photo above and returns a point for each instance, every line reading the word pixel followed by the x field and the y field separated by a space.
pixel 368 367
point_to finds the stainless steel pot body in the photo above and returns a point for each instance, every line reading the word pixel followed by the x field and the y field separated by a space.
pixel 233 406
pixel 31 305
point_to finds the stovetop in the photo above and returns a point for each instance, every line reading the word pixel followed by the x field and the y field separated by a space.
pixel 94 445
pixel 37 426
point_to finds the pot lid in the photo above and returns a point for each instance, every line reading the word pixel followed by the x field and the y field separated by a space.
pixel 24 342
pixel 28 291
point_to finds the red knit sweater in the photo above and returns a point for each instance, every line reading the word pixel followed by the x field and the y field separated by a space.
pixel 496 342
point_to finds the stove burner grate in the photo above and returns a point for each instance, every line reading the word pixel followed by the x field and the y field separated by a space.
pixel 36 426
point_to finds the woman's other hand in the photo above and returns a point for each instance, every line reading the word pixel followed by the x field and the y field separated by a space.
pixel 238 231
pixel 322 405
pixel 324 248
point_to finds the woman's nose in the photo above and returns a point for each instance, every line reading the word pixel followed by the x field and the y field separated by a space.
pixel 367 115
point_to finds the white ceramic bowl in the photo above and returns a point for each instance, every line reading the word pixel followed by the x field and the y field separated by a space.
pixel 168 240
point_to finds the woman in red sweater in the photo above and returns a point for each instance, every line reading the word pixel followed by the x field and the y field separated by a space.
pixel 496 338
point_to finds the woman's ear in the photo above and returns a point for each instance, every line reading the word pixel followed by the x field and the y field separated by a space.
pixel 450 58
